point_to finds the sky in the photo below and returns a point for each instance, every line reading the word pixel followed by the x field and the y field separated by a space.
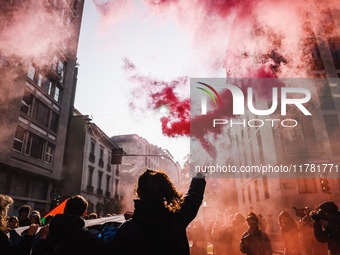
pixel 158 46
pixel 136 58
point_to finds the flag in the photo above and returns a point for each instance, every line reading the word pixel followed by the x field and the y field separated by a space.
pixel 58 210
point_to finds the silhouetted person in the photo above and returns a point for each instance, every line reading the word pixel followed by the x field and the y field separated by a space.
pixel 254 241
pixel 6 247
pixel 290 233
pixel 220 236
pixel 327 226
pixel 238 227
pixel 35 218
pixel 24 211
pixel 199 238
pixel 66 234
pixel 310 245
pixel 13 222
pixel 158 225
pixel 262 222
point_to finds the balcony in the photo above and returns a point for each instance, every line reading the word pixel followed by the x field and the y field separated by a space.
pixel 108 168
pixel 101 163
pixel 89 189
pixel 99 192
pixel 92 158
pixel 107 194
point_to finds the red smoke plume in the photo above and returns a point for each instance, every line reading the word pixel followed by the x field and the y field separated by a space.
pixel 158 94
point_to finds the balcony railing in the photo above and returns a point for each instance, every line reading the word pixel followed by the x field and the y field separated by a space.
pixel 99 192
pixel 92 158
pixel 108 168
pixel 89 188
pixel 101 163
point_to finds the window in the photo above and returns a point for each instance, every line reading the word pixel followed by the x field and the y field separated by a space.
pixel 40 80
pixel 293 139
pixel 92 147
pixel 57 94
pixel 19 138
pixel 60 69
pixel 92 157
pixel 21 186
pixel 257 193
pixel 249 194
pixel 41 113
pixel 54 63
pixel 101 153
pixel 333 131
pixel 47 86
pixel 108 178
pixel 314 54
pixel 306 185
pixel 99 188
pixel 54 122
pixel 325 97
pixel 334 46
pixel 265 187
pixel 260 147
pixel 35 146
pixel 26 103
pixel 49 153
pixel 31 72
pixel 90 177
pixel 335 49
pixel 116 187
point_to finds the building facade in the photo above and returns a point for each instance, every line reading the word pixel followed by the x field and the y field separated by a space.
pixel 133 165
pixel 314 141
pixel 37 97
pixel 87 166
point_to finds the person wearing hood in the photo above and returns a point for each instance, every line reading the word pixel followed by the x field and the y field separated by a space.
pixel 327 226
pixel 161 215
pixel 254 241
pixel 67 235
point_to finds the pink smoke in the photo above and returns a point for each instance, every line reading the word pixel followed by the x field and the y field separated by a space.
pixel 35 30
pixel 156 94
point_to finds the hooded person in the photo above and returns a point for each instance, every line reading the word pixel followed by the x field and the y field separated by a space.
pixel 161 215
pixel 254 241
pixel 67 234
pixel 290 233
pixel 327 226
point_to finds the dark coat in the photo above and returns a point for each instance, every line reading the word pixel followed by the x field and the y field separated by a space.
pixel 154 230
pixel 68 236
pixel 330 235
pixel 258 243
pixel 23 248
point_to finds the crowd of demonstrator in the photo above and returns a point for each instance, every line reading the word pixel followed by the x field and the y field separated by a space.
pixel 316 233
pixel 158 227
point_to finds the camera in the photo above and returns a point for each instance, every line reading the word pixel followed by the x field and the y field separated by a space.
pixel 319 215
